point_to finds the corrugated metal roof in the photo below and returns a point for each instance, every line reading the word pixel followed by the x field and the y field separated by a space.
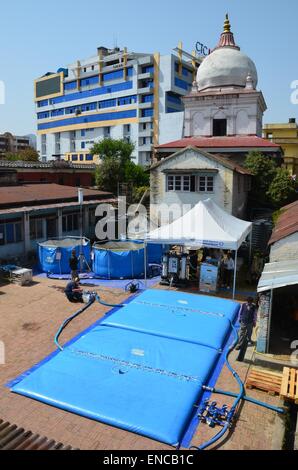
pixel 287 223
pixel 36 194
pixel 279 274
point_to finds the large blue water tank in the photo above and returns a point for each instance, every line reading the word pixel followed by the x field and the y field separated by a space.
pixel 54 254
pixel 118 260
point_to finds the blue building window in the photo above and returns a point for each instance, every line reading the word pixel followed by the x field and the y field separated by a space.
pixel 147 112
pixel 148 69
pixel 88 107
pixel 42 103
pixel 113 75
pixel 83 145
pixel 74 158
pixel 128 85
pixel 83 132
pixel 172 110
pixel 107 103
pixel 81 157
pixel 43 115
pixel 92 118
pixel 127 100
pixel 57 112
pixel 147 98
pixel 89 81
pixel 89 157
pixel 70 85
pixel 174 98
pixel 182 84
pixel 129 71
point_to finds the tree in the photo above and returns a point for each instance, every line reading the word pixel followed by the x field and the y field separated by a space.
pixel 283 188
pixel 113 148
pixel 264 169
pixel 116 165
pixel 271 184
pixel 108 174
pixel 27 155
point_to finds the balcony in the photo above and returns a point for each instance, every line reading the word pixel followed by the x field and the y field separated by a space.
pixel 149 104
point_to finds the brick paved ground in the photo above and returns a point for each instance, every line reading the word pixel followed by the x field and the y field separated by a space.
pixel 29 317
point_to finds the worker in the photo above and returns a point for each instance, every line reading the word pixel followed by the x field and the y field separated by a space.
pixel 73 291
pixel 73 264
pixel 247 320
pixel 228 269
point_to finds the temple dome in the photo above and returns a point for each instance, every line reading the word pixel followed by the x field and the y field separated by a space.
pixel 226 66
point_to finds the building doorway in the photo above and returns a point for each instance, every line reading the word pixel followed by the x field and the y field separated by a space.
pixel 219 127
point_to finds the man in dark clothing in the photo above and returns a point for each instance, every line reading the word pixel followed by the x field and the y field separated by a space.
pixel 73 291
pixel 73 264
pixel 247 320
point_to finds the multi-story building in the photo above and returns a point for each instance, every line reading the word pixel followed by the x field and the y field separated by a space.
pixel 117 94
pixel 286 136
pixel 13 143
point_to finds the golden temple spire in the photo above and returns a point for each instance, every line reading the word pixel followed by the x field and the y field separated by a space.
pixel 227 25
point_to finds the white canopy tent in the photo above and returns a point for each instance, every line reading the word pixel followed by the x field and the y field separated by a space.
pixel 205 225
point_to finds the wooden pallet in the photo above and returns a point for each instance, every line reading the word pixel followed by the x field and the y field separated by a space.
pixel 14 438
pixel 289 386
pixel 267 381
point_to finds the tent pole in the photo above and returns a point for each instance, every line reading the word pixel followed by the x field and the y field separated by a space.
pixel 235 273
pixel 145 263
pixel 250 246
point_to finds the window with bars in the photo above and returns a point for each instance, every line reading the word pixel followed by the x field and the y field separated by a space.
pixel 70 222
pixel 179 183
pixel 206 184
pixel 11 233
pixel 36 230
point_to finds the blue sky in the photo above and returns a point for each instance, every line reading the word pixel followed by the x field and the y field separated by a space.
pixel 37 37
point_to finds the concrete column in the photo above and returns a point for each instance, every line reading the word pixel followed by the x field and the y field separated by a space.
pixel 59 225
pixel 27 242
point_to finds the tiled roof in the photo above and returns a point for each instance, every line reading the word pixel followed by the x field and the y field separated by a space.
pixel 287 223
pixel 60 165
pixel 220 142
pixel 37 194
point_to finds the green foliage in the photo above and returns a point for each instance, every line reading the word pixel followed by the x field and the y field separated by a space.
pixel 282 189
pixel 27 155
pixel 263 168
pixel 136 174
pixel 271 184
pixel 139 192
pixel 113 148
pixel 116 165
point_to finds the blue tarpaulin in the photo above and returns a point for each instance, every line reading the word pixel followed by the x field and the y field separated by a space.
pixel 137 370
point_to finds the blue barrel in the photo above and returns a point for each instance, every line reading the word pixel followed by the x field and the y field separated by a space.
pixel 54 254
pixel 118 260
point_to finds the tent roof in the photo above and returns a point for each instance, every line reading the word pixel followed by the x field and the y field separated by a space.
pixel 279 274
pixel 206 225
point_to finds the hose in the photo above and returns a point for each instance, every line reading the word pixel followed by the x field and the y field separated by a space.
pixel 246 398
pixel 92 299
pixel 238 399
pixel 106 304
pixel 69 319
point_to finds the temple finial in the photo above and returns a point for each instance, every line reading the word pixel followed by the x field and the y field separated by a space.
pixel 227 25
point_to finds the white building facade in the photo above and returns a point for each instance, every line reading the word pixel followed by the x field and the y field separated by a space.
pixel 117 94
